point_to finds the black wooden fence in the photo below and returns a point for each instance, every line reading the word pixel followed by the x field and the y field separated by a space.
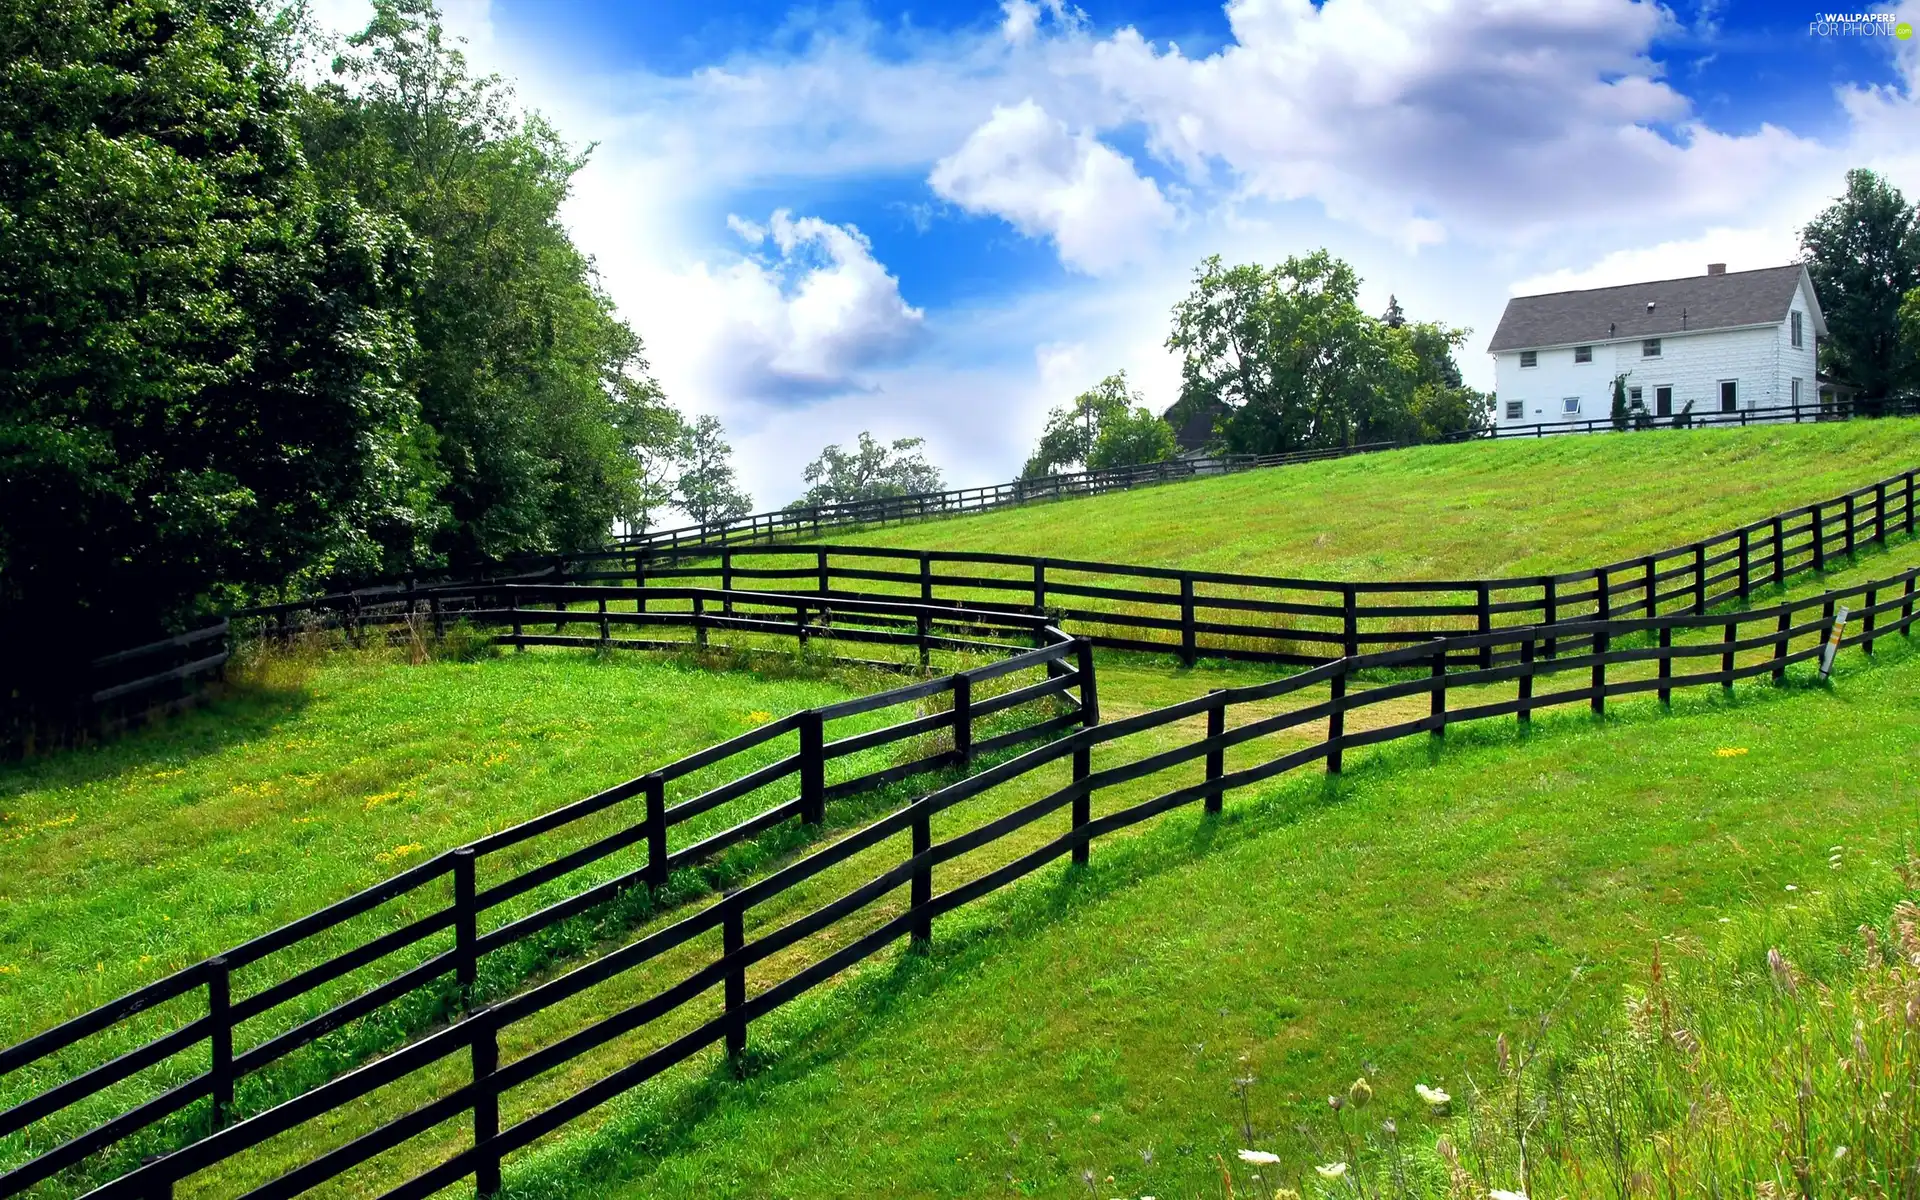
pixel 810 520
pixel 1780 414
pixel 532 865
pixel 1297 621
pixel 1618 657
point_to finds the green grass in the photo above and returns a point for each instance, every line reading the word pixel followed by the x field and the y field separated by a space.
pixel 1390 923
pixel 1446 512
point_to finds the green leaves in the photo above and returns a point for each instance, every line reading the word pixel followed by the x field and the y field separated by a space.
pixel 873 471
pixel 1103 427
pixel 1863 255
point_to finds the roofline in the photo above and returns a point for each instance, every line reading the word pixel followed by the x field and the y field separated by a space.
pixel 1616 341
pixel 1611 287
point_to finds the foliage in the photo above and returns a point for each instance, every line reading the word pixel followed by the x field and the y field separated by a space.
pixel 1130 438
pixel 706 487
pixel 873 471
pixel 1620 415
pixel 1071 433
pixel 1863 255
pixel 538 394
pixel 205 379
pixel 1910 339
pixel 1288 355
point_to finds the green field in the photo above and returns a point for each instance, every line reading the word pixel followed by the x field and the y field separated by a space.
pixel 1389 924
pixel 1513 507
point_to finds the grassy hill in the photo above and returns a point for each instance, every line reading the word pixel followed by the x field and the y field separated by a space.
pixel 1389 924
pixel 1508 507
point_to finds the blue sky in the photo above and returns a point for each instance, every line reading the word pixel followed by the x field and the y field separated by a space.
pixel 940 218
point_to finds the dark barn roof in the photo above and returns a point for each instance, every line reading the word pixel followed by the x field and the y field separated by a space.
pixel 1695 303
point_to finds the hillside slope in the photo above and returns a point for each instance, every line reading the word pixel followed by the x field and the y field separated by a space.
pixel 1507 508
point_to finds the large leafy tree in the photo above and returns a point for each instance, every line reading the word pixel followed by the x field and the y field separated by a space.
pixel 539 396
pixel 871 471
pixel 706 487
pixel 203 382
pixel 1282 358
pixel 1131 438
pixel 1863 254
pixel 1073 433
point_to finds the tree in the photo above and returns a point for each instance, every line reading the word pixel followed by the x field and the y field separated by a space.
pixel 1863 255
pixel 1072 433
pixel 1619 414
pixel 1287 354
pixel 1910 342
pixel 1132 438
pixel 543 412
pixel 203 392
pixel 873 471
pixel 1395 316
pixel 706 488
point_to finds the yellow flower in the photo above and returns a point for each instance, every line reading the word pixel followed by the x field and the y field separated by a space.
pixel 758 717
pixel 374 802
pixel 398 852
pixel 9 969
pixel 1730 752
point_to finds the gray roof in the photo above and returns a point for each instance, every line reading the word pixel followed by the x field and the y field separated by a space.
pixel 1697 302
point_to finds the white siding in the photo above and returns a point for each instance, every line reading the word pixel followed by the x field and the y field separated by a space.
pixel 1760 361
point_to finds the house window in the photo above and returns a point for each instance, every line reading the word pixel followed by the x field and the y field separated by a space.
pixel 1529 358
pixel 1650 348
pixel 1583 354
pixel 1570 406
pixel 1796 330
pixel 1729 395
pixel 1633 397
pixel 1796 391
pixel 1516 409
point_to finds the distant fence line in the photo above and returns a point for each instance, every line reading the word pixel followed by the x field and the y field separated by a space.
pixel 1766 641
pixel 1068 679
pixel 810 520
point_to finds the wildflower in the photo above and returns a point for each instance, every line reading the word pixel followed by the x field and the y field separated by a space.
pixel 1360 1092
pixel 1839 1152
pixel 1259 1158
pixel 758 717
pixel 1730 752
pixel 1504 1194
pixel 9 969
pixel 1782 972
pixel 1336 1103
pixel 398 852
pixel 1793 887
pixel 1434 1098
pixel 1331 1170
pixel 1389 1128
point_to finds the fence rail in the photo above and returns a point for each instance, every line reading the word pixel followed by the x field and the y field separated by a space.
pixel 1780 414
pixel 1617 657
pixel 1299 622
pixel 532 866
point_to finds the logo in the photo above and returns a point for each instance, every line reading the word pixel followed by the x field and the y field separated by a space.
pixel 1858 24
pixel 1903 31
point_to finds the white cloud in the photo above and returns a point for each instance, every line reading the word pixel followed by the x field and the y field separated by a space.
pixel 1739 249
pixel 1046 181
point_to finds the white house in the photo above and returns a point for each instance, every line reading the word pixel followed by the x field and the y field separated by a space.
pixel 1722 342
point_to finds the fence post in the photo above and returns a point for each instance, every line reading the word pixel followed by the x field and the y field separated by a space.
pixel 1089 684
pixel 922 628
pixel 466 924
pixel 1039 585
pixel 1349 620
pixel 606 633
pixel 1819 540
pixel 1780 640
pixel 1848 499
pixel 1866 621
pixel 963 718
pixel 1336 719
pixel 439 617
pixel 1187 638
pixel 813 768
pixel 1727 637
pixel 1906 610
pixel 1598 701
pixel 926 578
pixel 1909 501
pixel 921 932
pixel 1483 622
pixel 726 582
pixel 220 1038
pixel 733 935
pixel 1082 803
pixel 1653 587
pixel 1699 577
pixel 1437 671
pixel 1551 615
pixel 1880 512
pixel 513 602
pixel 656 792
pixel 1216 755
pixel 1746 564
pixel 1779 551
pixel 1603 593
pixel 1666 665
pixel 822 569
pixel 1526 680
pixel 486 1104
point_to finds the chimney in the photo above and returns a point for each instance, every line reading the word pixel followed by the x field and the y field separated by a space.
pixel 1716 268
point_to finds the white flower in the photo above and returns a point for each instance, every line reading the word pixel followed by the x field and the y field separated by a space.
pixel 1504 1194
pixel 1331 1170
pixel 1259 1158
pixel 1430 1095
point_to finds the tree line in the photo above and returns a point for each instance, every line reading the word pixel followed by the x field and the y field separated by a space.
pixel 280 313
